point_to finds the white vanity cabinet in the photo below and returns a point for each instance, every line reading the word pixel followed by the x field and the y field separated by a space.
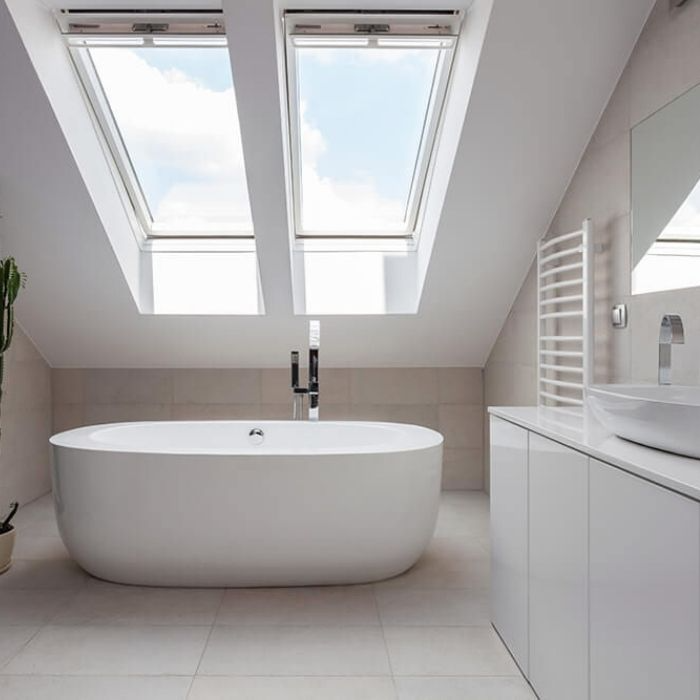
pixel 509 546
pixel 558 570
pixel 596 565
pixel 644 589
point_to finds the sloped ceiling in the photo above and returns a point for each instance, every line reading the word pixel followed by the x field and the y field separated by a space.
pixel 544 74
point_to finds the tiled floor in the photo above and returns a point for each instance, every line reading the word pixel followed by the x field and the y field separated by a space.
pixel 422 636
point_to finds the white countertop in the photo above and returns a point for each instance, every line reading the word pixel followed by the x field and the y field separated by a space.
pixel 577 429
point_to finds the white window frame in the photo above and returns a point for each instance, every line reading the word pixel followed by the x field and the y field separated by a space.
pixel 83 31
pixel 337 30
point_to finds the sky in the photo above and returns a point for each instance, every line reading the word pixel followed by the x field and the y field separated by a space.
pixel 361 119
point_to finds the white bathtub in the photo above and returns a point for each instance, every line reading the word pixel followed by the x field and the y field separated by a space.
pixel 199 504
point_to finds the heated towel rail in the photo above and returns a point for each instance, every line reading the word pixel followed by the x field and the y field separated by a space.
pixel 564 317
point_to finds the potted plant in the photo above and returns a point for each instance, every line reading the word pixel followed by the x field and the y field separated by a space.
pixel 11 281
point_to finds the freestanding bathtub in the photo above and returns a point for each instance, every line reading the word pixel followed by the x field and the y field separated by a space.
pixel 218 504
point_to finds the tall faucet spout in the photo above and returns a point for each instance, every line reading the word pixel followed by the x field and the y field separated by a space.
pixel 670 333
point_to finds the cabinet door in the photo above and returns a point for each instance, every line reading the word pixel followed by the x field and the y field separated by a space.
pixel 644 589
pixel 509 537
pixel 558 570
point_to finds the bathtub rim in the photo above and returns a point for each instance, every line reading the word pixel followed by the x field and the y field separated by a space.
pixel 79 439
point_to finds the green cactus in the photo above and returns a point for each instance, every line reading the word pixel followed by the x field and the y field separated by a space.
pixel 11 281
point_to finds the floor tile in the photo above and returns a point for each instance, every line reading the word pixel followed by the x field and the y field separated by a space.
pixel 39 547
pixel 464 689
pixel 431 572
pixel 299 606
pixel 433 607
pixel 291 688
pixel 110 650
pixel 93 688
pixel 447 651
pixel 23 607
pixel 45 574
pixel 12 640
pixel 39 510
pixel 112 604
pixel 295 651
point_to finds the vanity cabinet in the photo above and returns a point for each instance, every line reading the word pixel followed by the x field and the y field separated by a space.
pixel 509 540
pixel 595 570
pixel 644 589
pixel 558 570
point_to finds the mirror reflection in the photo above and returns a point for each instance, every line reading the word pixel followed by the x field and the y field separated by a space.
pixel 666 197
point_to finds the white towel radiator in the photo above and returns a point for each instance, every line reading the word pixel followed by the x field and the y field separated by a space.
pixel 565 317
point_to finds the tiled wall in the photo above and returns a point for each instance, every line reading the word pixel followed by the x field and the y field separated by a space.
pixel 664 64
pixel 447 399
pixel 25 423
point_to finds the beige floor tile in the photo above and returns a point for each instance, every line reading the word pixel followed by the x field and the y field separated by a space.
pixel 295 651
pixel 436 607
pixel 299 606
pixel 12 641
pixel 447 651
pixel 93 650
pixel 37 546
pixel 464 689
pixel 112 604
pixel 292 688
pixel 56 574
pixel 94 688
pixel 32 607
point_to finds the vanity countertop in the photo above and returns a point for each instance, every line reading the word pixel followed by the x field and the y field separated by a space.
pixel 578 429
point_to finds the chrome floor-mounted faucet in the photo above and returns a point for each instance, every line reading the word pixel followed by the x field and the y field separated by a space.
pixel 670 333
pixel 312 390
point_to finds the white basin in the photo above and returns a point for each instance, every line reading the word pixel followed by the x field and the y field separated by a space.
pixel 664 417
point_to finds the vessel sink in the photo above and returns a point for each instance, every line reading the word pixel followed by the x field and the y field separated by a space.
pixel 659 416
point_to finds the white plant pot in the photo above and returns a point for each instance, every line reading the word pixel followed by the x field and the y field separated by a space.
pixel 7 542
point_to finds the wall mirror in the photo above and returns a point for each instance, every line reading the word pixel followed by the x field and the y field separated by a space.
pixel 666 197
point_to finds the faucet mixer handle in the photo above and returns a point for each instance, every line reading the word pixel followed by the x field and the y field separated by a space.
pixel 295 369
pixel 671 330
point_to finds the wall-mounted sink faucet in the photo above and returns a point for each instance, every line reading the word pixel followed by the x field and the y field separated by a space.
pixel 670 333
pixel 312 390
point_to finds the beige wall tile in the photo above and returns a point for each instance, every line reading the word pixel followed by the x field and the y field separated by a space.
pixel 461 385
pixel 394 385
pixel 67 416
pixel 124 386
pixel 67 385
pixel 463 469
pixel 216 411
pixel 99 413
pixel 26 422
pixel 461 426
pixel 425 415
pixel 205 386
pixel 275 385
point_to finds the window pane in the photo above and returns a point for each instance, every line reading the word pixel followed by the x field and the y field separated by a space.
pixel 176 111
pixel 362 113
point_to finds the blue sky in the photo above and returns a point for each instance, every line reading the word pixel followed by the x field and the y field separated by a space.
pixel 369 109
pixel 208 66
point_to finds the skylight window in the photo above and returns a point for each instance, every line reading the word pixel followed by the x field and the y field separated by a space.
pixel 163 95
pixel 365 95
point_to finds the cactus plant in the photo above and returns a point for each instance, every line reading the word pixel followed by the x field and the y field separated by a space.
pixel 11 281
